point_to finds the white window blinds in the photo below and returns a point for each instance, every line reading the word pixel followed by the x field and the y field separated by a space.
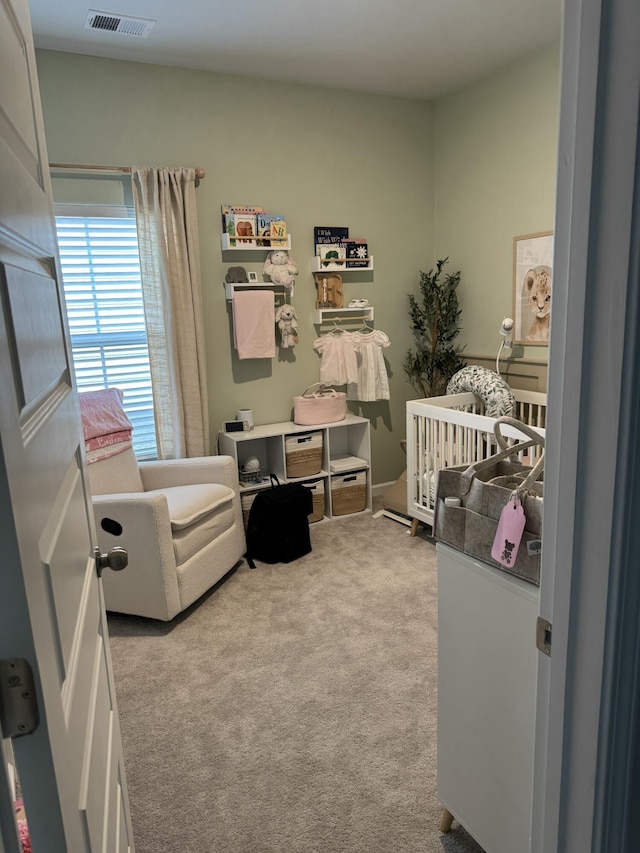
pixel 101 275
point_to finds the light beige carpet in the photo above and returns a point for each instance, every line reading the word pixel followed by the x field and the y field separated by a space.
pixel 293 709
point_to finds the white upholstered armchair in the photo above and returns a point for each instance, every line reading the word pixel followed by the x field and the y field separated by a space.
pixel 179 519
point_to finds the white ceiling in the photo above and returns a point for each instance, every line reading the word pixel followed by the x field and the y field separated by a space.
pixel 410 48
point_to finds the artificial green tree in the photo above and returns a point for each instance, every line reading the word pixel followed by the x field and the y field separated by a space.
pixel 435 319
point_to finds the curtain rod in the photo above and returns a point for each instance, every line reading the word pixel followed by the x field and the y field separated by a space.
pixel 126 170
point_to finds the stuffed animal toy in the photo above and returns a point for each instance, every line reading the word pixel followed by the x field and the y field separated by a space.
pixel 287 321
pixel 281 267
pixel 237 275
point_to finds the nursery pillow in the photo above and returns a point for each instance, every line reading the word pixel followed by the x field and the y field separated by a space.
pixel 486 384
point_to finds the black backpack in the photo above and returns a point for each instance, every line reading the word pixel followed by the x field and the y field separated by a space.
pixel 278 524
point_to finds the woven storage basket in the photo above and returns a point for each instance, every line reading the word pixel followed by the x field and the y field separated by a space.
pixel 348 493
pixel 324 406
pixel 249 476
pixel 317 488
pixel 303 454
pixel 245 503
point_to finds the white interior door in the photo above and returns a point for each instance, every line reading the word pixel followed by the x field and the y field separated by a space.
pixel 52 614
pixel 590 511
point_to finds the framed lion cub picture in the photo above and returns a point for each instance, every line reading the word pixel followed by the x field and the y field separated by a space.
pixel 532 278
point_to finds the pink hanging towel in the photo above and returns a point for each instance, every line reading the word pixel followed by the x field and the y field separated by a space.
pixel 254 330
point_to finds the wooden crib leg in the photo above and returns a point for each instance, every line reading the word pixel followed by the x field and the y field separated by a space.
pixel 446 821
pixel 414 526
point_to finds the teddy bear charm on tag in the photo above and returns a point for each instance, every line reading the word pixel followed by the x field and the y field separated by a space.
pixel 509 532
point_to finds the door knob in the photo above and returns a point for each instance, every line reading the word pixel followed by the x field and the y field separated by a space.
pixel 116 559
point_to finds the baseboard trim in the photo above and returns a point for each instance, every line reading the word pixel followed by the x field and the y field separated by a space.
pixel 379 489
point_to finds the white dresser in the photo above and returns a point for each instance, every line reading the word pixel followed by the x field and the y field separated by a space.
pixel 487 665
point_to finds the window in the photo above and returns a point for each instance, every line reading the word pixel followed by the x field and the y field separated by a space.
pixel 103 291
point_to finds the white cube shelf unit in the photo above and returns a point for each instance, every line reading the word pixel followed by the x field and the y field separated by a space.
pixel 346 448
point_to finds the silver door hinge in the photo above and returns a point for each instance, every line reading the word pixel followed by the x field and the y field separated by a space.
pixel 18 703
pixel 543 635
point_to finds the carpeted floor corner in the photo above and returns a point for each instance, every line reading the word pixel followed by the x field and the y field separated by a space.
pixel 293 708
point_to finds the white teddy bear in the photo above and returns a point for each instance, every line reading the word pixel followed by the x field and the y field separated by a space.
pixel 287 321
pixel 281 267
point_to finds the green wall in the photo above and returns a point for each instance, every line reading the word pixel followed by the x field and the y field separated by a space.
pixel 319 156
pixel 495 172
pixel 460 177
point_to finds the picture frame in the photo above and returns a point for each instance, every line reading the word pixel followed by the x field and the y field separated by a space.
pixel 253 277
pixel 532 288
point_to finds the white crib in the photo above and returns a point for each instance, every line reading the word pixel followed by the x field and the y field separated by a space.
pixel 452 430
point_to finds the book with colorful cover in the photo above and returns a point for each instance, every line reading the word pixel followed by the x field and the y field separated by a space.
pixel 278 233
pixel 245 226
pixel 332 256
pixel 229 212
pixel 357 253
pixel 228 223
pixel 263 225
pixel 329 234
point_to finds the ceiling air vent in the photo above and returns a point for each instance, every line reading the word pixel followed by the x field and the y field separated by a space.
pixel 111 23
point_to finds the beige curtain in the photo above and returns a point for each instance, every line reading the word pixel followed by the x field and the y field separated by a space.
pixel 165 206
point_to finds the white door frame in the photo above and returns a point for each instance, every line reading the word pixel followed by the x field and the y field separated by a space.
pixel 586 711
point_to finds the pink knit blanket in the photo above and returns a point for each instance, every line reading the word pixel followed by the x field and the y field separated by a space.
pixel 106 428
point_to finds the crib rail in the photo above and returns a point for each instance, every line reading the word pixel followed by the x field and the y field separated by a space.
pixel 453 430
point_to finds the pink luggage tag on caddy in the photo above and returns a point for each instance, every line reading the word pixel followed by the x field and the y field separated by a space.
pixel 509 533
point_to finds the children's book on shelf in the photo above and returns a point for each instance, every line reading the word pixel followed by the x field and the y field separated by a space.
pixel 332 256
pixel 263 224
pixel 278 232
pixel 328 234
pixel 229 213
pixel 228 223
pixel 245 226
pixel 357 253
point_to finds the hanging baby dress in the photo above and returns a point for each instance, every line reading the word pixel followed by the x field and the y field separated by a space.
pixel 338 365
pixel 372 382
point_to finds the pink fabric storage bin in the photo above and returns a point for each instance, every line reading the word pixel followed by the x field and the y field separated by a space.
pixel 323 406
